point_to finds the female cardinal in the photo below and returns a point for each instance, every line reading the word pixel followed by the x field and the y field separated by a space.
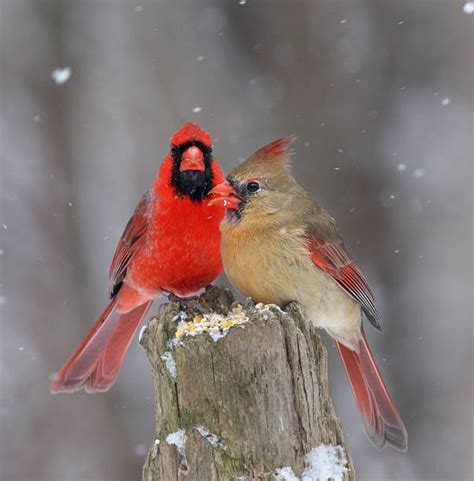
pixel 279 246
pixel 170 245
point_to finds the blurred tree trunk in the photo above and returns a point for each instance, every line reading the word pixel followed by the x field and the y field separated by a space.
pixel 243 406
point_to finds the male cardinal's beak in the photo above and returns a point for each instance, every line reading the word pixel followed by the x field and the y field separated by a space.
pixel 225 196
pixel 192 159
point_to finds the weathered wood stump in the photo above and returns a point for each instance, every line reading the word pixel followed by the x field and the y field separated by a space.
pixel 249 405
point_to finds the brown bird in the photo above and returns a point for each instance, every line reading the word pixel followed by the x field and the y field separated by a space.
pixel 279 246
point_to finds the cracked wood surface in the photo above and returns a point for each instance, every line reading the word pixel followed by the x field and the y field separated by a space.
pixel 261 392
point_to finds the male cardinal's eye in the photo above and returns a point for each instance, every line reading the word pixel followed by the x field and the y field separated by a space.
pixel 253 187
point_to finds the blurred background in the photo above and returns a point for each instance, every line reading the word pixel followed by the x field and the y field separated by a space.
pixel 380 95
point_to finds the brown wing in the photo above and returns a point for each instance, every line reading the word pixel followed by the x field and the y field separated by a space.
pixel 331 257
pixel 129 244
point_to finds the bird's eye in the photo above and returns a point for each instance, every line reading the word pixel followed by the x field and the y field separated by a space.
pixel 253 187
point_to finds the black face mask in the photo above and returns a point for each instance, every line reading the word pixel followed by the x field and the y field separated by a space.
pixel 192 183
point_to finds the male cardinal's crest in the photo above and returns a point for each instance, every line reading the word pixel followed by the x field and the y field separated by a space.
pixel 190 132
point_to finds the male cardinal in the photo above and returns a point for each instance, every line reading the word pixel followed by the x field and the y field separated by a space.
pixel 279 246
pixel 170 245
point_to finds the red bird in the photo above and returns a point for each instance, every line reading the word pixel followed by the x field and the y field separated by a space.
pixel 170 245
pixel 279 246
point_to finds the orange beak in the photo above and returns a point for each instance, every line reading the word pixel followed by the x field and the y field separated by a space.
pixel 192 159
pixel 224 195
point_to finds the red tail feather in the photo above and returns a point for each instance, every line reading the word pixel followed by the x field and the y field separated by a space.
pixel 96 363
pixel 382 421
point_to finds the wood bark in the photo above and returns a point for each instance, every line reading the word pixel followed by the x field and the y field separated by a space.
pixel 248 404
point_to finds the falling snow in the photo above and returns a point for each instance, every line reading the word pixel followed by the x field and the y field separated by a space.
pixel 388 199
pixel 468 8
pixel 197 109
pixel 418 173
pixel 401 167
pixel 61 75
pixel 446 101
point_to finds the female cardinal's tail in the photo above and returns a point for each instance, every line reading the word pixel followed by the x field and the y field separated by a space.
pixel 96 363
pixel 382 421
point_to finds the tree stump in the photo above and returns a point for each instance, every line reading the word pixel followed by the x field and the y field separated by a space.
pixel 241 394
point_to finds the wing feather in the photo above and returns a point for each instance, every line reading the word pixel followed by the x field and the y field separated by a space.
pixel 129 244
pixel 331 256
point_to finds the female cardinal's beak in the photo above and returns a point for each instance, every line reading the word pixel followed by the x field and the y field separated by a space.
pixel 192 159
pixel 224 195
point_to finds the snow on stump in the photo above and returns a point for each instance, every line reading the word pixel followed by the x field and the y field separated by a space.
pixel 241 394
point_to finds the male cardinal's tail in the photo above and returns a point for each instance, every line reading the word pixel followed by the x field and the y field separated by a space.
pixel 382 421
pixel 96 363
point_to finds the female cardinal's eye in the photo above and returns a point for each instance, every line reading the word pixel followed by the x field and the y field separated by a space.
pixel 253 187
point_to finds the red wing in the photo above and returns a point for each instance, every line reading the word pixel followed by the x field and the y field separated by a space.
pixel 332 258
pixel 132 239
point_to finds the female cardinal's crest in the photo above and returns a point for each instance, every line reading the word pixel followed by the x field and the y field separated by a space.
pixel 191 132
pixel 277 151
pixel 274 158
